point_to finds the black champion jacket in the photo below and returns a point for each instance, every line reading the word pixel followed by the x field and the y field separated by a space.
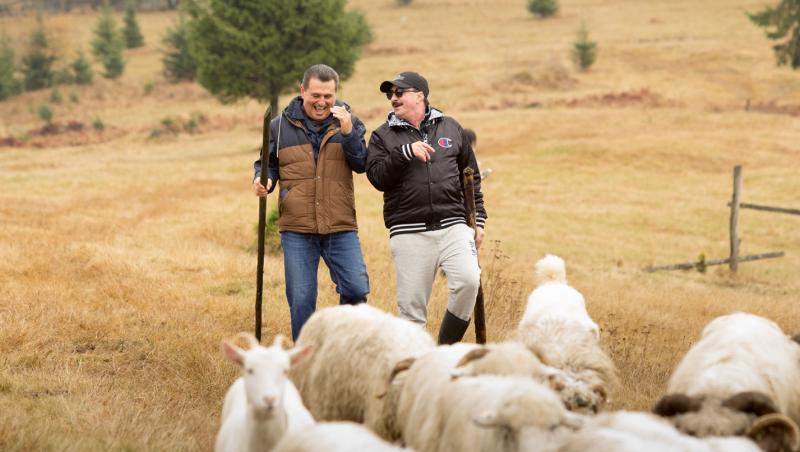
pixel 422 196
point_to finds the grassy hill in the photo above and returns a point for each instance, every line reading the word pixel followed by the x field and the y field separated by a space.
pixel 126 255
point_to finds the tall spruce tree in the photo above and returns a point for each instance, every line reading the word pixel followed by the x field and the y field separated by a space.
pixel 131 31
pixel 9 84
pixel 37 64
pixel 107 45
pixel 782 24
pixel 261 49
pixel 179 64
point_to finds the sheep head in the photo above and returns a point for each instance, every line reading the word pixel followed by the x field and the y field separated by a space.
pixel 710 416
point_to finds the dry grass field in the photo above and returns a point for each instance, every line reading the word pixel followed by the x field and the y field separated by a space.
pixel 126 258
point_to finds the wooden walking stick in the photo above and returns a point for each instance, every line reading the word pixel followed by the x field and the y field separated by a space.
pixel 262 220
pixel 469 201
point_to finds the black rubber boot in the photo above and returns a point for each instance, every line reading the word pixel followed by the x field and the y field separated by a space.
pixel 452 329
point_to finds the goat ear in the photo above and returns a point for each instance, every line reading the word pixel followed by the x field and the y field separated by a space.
pixel 674 404
pixel 279 340
pixel 297 354
pixel 775 432
pixel 233 353
pixel 753 402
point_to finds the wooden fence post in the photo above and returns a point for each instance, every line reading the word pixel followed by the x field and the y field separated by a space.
pixel 734 228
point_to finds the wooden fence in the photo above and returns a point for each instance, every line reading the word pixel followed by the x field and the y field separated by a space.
pixel 733 260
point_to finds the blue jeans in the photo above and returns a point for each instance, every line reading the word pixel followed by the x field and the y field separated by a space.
pixel 342 254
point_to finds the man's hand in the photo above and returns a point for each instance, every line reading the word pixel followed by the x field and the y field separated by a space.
pixel 345 120
pixel 259 189
pixel 479 236
pixel 422 151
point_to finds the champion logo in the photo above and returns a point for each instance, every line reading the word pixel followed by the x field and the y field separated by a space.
pixel 445 142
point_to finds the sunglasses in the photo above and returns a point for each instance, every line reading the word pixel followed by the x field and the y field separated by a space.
pixel 399 92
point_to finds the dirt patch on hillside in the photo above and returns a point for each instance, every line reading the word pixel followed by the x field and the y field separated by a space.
pixel 773 107
pixel 635 98
pixel 71 133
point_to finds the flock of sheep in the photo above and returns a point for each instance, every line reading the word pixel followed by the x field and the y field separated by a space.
pixel 379 383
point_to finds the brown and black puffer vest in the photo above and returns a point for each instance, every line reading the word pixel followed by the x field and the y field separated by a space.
pixel 315 197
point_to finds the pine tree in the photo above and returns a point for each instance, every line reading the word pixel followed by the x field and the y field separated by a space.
pixel 133 35
pixel 784 22
pixel 179 64
pixel 37 64
pixel 81 69
pixel 261 49
pixel 584 51
pixel 107 45
pixel 9 84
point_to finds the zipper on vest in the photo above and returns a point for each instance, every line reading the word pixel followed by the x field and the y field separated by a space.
pixel 430 183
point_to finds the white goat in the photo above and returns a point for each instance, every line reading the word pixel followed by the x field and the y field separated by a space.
pixel 335 437
pixel 624 431
pixel 742 368
pixel 356 349
pixel 557 327
pixel 262 404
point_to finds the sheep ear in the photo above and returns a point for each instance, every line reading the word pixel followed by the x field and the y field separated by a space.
pixel 487 419
pixel 754 402
pixel 675 404
pixel 473 355
pixel 233 353
pixel 775 432
pixel 297 354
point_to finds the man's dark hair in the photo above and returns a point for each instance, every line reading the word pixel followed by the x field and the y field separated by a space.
pixel 470 136
pixel 321 72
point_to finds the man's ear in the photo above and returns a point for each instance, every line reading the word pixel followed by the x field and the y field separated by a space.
pixel 302 90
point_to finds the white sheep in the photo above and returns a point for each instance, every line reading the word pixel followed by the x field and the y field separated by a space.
pixel 743 368
pixel 558 328
pixel 356 348
pixel 335 437
pixel 436 411
pixel 262 404
pixel 624 431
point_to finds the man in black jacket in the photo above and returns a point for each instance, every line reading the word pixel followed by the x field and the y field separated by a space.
pixel 416 159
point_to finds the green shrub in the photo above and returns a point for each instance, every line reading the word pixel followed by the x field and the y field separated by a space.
pixel 45 113
pixel 179 64
pixel 107 45
pixel 98 125
pixel 131 31
pixel 55 95
pixel 37 64
pixel 584 51
pixel 9 84
pixel 543 8
pixel 272 237
pixel 74 98
pixel 148 88
pixel 81 69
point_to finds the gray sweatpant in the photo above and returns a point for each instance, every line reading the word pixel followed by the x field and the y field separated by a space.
pixel 417 256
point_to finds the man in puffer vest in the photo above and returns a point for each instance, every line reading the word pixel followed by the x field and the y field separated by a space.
pixel 416 159
pixel 316 144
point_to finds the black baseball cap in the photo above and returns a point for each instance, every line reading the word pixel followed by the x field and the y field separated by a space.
pixel 406 80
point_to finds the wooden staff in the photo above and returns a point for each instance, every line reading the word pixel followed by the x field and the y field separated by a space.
pixel 469 201
pixel 262 220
